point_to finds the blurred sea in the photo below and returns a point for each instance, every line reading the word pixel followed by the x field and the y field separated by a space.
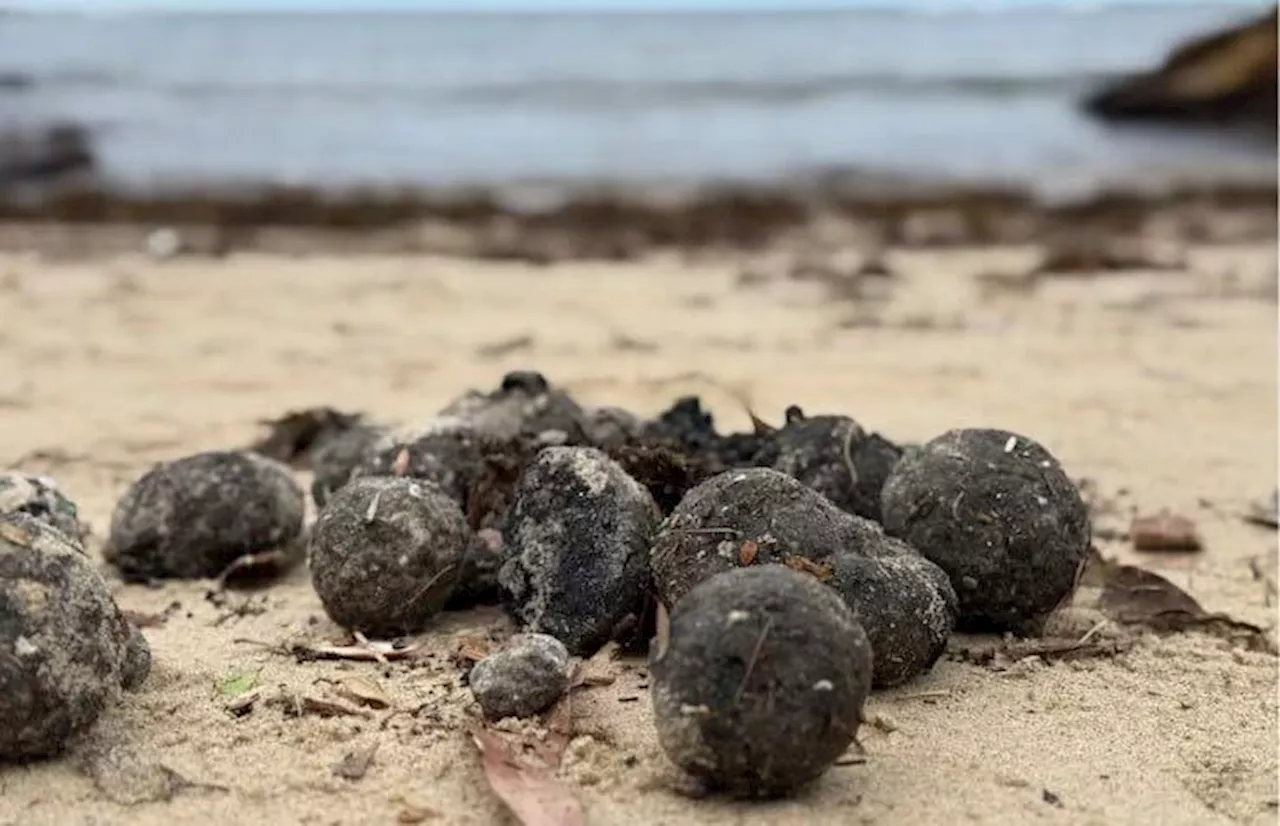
pixel 393 99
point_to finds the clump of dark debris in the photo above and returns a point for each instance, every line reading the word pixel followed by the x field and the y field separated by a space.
pixel 66 650
pixel 760 686
pixel 196 516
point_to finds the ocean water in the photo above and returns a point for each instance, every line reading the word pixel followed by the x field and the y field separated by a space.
pixel 345 99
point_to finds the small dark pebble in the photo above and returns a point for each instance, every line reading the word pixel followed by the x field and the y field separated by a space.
pixel 761 686
pixel 527 676
pixel 576 547
pixel 996 512
pixel 192 517
pixel 387 553
pixel 65 647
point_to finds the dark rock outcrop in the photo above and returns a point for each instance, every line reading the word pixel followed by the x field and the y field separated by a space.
pixel 1224 78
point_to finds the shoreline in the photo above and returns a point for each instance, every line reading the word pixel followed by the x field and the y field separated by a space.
pixel 618 223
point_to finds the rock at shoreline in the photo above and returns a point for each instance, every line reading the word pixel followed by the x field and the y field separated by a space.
pixel 40 155
pixel 1228 77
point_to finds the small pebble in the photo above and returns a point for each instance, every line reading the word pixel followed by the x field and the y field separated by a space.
pixel 193 517
pixel 761 685
pixel 576 547
pixel 525 677
pixel 65 647
pixel 994 510
pixel 387 553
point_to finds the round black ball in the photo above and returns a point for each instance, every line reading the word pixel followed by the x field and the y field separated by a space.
pixel 192 517
pixel 761 685
pixel 387 553
pixel 994 510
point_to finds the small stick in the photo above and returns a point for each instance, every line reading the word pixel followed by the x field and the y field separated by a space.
pixel 751 664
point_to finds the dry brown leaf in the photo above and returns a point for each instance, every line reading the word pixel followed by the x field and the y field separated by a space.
pixel 532 793
pixel 747 553
pixel 472 650
pixel 363 691
pixel 805 565
pixel 1135 597
pixel 559 723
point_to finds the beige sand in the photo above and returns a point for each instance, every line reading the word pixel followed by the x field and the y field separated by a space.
pixel 1163 386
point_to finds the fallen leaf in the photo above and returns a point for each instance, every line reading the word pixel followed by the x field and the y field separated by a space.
pixel 1135 597
pixel 532 793
pixel 472 650
pixel 364 691
pixel 747 553
pixel 1165 531
pixel 559 722
pixel 805 565
pixel 355 765
pixel 237 683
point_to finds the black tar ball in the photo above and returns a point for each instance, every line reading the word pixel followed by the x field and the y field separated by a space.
pixel 904 602
pixel 576 546
pixel 739 518
pixel 996 512
pixel 65 648
pixel 753 517
pixel 387 553
pixel 191 518
pixel 761 685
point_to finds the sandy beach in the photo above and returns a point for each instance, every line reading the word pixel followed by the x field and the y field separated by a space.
pixel 1159 387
